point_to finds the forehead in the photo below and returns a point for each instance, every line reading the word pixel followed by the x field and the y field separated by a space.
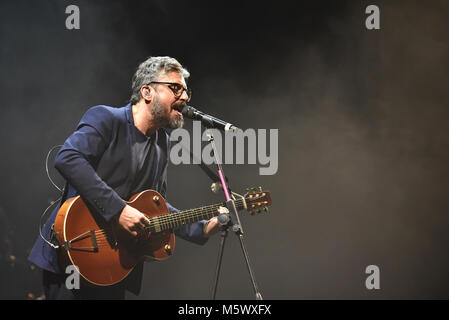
pixel 172 76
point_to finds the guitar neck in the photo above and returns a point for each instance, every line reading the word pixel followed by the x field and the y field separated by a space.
pixel 175 220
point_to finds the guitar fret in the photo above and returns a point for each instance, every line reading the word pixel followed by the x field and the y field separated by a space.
pixel 201 213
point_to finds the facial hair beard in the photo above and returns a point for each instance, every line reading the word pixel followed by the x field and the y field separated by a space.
pixel 162 117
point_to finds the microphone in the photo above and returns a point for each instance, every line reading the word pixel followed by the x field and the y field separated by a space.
pixel 207 120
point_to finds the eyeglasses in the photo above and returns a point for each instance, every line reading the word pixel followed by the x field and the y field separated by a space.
pixel 176 88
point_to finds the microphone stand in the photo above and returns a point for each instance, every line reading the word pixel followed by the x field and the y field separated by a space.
pixel 231 220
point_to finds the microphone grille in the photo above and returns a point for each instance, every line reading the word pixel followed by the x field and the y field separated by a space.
pixel 188 111
pixel 184 110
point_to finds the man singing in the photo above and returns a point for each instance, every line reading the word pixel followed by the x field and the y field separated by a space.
pixel 113 154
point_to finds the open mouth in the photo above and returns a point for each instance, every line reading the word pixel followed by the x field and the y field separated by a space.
pixel 177 109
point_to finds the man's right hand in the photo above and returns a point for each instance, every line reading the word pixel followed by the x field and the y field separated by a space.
pixel 133 222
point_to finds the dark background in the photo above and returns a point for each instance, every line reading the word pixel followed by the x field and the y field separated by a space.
pixel 363 138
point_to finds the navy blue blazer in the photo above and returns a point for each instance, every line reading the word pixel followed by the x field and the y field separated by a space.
pixel 101 162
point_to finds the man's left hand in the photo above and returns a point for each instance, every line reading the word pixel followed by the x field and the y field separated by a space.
pixel 212 226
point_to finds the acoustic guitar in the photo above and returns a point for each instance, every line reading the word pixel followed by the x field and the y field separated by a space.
pixel 105 257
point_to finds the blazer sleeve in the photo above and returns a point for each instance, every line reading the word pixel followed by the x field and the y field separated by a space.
pixel 79 157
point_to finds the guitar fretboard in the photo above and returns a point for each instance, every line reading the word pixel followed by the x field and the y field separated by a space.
pixel 175 220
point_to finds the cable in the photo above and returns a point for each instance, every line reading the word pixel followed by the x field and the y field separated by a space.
pixel 46 167
pixel 40 224
pixel 53 202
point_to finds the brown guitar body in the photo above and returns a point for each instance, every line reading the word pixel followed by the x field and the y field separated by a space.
pixel 102 256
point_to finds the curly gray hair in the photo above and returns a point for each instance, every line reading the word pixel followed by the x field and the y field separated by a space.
pixel 150 69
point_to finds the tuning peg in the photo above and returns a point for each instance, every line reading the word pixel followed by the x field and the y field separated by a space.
pixel 260 189
pixel 265 209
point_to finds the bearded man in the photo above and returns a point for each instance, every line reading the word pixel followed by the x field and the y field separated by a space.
pixel 113 154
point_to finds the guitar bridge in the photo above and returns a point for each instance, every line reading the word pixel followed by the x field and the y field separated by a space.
pixel 68 245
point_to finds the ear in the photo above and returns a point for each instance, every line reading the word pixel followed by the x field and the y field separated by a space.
pixel 147 93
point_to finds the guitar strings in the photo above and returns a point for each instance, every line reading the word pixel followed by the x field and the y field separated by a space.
pixel 166 220
pixel 171 220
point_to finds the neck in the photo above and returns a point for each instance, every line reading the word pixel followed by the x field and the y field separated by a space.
pixel 143 119
pixel 172 221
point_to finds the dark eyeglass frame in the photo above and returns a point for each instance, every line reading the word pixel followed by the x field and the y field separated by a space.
pixel 176 88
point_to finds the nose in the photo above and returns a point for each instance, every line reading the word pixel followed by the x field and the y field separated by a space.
pixel 184 96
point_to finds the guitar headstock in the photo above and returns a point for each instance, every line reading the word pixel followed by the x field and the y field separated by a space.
pixel 257 200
